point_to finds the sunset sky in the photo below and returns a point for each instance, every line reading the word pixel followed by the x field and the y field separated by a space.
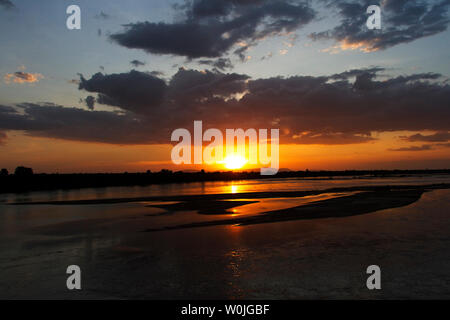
pixel 107 97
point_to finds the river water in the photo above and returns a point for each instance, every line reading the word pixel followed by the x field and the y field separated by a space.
pixel 323 258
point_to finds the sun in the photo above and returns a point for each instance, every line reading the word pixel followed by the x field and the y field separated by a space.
pixel 234 162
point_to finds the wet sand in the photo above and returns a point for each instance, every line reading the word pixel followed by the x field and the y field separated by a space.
pixel 360 203
pixel 317 250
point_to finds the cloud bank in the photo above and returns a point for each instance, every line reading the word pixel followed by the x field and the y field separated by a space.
pixel 342 108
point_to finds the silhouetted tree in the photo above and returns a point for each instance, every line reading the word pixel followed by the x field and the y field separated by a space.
pixel 23 171
pixel 4 172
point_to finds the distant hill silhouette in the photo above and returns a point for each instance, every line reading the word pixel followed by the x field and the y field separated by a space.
pixel 24 180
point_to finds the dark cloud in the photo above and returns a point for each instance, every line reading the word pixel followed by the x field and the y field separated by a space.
pixel 437 137
pixel 6 4
pixel 217 8
pixel 90 102
pixel 157 73
pixel 137 63
pixel 242 52
pixel 220 64
pixel 424 147
pixel 134 91
pixel 331 138
pixel 145 93
pixel 402 21
pixel 369 73
pixel 54 121
pixel 7 109
pixel 360 106
pixel 203 87
pixel 342 108
pixel 211 28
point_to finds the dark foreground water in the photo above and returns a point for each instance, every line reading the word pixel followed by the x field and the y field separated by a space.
pixel 323 258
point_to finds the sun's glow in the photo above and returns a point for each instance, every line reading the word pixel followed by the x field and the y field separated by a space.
pixel 234 162
pixel 234 189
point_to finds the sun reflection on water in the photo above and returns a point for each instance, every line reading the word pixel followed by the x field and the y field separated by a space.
pixel 235 267
pixel 234 188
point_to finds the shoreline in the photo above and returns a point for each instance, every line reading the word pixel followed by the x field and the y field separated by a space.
pixel 231 196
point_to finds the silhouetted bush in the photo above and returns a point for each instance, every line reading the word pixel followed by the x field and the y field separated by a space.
pixel 23 171
pixel 4 172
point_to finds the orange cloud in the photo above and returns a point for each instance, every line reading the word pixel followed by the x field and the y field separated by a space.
pixel 346 44
pixel 22 77
pixel 365 46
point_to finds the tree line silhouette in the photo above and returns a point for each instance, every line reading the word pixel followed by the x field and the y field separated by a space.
pixel 24 179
